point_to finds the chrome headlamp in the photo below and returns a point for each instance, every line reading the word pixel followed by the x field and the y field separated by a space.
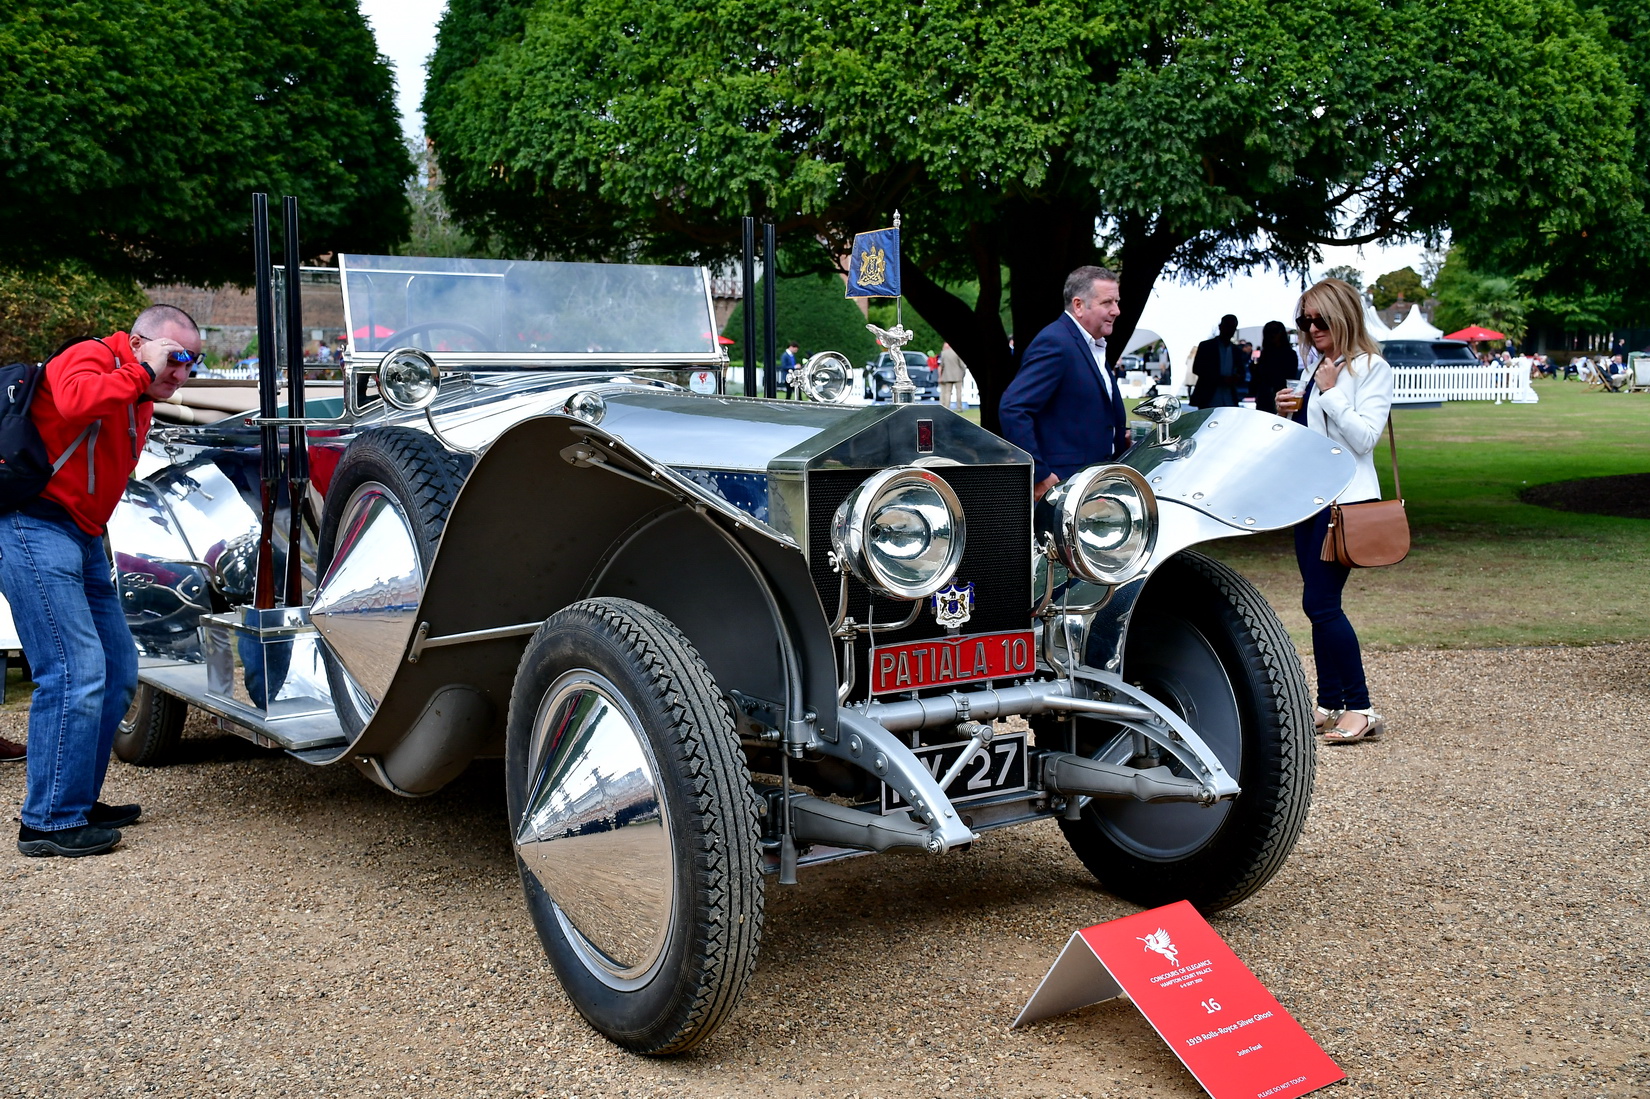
pixel 900 532
pixel 408 378
pixel 1107 523
pixel 826 377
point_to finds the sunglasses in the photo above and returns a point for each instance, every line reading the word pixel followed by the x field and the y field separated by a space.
pixel 183 358
pixel 1306 323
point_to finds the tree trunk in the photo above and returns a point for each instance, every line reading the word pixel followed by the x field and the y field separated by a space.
pixel 1041 242
pixel 1145 254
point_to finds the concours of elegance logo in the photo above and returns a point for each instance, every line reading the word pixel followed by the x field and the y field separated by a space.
pixel 1159 941
pixel 954 605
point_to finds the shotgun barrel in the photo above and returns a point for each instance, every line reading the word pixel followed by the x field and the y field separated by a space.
pixel 269 467
pixel 297 460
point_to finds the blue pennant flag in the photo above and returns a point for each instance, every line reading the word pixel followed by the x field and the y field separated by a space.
pixel 873 269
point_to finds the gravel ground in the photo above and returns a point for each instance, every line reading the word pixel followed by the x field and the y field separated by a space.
pixel 1463 917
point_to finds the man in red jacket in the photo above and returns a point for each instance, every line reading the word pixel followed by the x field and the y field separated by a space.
pixel 96 402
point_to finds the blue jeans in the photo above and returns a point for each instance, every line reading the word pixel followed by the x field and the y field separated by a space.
pixel 1340 664
pixel 74 633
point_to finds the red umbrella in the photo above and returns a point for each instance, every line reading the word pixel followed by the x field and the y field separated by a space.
pixel 723 340
pixel 1474 333
pixel 378 331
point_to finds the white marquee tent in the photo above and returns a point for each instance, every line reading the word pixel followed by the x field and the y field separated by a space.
pixel 1415 327
pixel 1182 316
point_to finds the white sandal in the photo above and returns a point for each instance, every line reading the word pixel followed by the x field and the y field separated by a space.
pixel 1374 726
pixel 1323 719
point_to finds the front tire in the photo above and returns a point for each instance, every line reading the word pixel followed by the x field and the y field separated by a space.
pixel 149 735
pixel 635 825
pixel 1205 642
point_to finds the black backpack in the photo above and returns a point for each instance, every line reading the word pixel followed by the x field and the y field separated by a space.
pixel 25 467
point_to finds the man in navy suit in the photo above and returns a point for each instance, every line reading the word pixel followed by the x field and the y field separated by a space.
pixel 1063 407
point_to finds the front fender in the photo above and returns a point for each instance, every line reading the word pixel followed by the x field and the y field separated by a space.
pixel 1217 473
pixel 557 510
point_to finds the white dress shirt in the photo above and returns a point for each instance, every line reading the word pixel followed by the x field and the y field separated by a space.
pixel 1097 348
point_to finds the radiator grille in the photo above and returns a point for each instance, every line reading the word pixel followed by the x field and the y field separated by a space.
pixel 996 502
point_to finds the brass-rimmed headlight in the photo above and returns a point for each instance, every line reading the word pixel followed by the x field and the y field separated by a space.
pixel 900 533
pixel 408 378
pixel 1107 523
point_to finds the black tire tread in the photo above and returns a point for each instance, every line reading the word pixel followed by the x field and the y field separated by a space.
pixel 703 734
pixel 435 474
pixel 1257 851
pixel 157 727
pixel 1295 767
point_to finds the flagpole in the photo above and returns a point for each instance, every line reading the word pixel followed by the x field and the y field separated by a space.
pixel 904 391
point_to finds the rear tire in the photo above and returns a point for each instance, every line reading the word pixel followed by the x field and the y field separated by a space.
pixel 1205 642
pixel 423 479
pixel 642 821
pixel 149 735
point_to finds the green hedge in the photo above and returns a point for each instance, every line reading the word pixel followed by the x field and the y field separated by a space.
pixel 812 311
pixel 39 310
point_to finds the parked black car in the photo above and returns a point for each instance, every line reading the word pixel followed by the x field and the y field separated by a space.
pixel 879 377
pixel 1428 352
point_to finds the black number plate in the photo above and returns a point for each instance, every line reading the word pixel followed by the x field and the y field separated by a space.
pixel 999 768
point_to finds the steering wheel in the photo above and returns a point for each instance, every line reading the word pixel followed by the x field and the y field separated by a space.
pixel 399 339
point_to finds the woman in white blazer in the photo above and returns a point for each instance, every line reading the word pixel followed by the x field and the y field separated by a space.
pixel 1347 399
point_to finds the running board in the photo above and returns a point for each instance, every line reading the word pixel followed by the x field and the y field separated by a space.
pixel 296 733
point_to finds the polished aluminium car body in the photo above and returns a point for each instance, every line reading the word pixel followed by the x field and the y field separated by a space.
pixel 857 592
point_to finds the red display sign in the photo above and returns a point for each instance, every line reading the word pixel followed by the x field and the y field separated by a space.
pixel 1218 1018
pixel 946 660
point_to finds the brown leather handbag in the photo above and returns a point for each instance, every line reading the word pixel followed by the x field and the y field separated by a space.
pixel 1372 534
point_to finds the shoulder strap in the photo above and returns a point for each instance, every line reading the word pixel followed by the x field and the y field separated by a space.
pixel 1392 440
pixel 90 429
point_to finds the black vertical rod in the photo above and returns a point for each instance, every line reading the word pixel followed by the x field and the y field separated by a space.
pixel 297 461
pixel 748 232
pixel 269 465
pixel 770 331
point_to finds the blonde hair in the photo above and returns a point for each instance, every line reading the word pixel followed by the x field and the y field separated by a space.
pixel 1339 304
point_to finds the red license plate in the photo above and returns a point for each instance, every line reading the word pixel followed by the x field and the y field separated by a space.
pixel 917 665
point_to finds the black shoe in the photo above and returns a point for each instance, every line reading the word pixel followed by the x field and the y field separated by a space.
pixel 71 843
pixel 113 816
pixel 12 752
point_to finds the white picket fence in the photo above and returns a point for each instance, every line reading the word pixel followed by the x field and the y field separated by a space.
pixel 1464 382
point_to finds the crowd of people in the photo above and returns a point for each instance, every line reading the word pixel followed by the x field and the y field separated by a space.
pixel 1065 408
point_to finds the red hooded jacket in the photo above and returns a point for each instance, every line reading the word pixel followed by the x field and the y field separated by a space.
pixel 102 381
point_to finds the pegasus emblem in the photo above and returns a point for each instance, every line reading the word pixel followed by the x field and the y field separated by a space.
pixel 1159 941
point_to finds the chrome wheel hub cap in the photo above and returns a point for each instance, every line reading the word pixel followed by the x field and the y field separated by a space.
pixel 594 833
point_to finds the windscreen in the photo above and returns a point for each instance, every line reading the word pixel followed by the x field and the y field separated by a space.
pixel 527 310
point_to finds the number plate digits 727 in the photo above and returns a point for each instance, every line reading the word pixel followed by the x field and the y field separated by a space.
pixel 1000 767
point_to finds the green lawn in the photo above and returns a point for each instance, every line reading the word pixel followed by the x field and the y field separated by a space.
pixel 1486 569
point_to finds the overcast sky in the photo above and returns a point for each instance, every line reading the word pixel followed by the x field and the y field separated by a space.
pixel 406 35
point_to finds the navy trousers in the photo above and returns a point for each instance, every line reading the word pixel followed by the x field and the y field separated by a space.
pixel 1335 651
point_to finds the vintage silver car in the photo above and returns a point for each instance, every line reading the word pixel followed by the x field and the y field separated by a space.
pixel 715 639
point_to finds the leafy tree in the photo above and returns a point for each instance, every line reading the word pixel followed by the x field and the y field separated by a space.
pixel 1466 297
pixel 1346 274
pixel 1403 283
pixel 811 310
pixel 1195 140
pixel 42 309
pixel 132 132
